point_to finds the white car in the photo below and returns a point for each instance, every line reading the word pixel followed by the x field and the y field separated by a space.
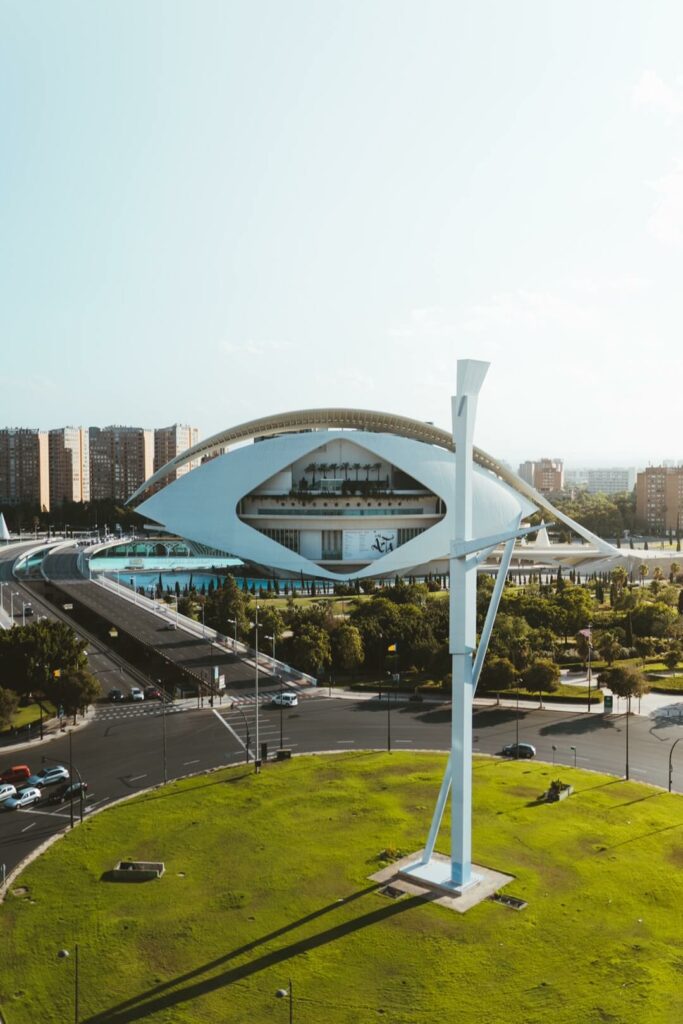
pixel 285 700
pixel 136 693
pixel 7 790
pixel 24 798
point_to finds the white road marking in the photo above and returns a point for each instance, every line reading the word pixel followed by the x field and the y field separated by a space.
pixel 196 761
pixel 404 741
pixel 102 801
pixel 346 741
pixel 230 729
pixel 32 825
pixel 136 778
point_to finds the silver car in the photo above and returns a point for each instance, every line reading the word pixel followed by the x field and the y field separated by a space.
pixel 24 798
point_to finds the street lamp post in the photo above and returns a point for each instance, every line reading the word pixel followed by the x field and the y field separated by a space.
pixel 590 648
pixel 63 954
pixel 388 719
pixel 628 715
pixel 554 752
pixel 233 622
pixel 163 728
pixel 273 639
pixel 2 590
pixel 517 726
pixel 12 595
pixel 573 749
pixel 284 993
pixel 72 769
pixel 257 753
pixel 671 764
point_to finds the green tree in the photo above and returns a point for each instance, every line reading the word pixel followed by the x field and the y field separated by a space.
pixel 609 647
pixel 8 705
pixel 30 655
pixel 672 657
pixel 74 690
pixel 310 649
pixel 642 572
pixel 542 676
pixel 347 648
pixel 497 675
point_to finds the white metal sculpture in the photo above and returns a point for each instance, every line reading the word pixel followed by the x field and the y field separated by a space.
pixel 466 554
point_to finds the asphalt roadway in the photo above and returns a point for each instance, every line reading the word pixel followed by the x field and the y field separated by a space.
pixel 121 750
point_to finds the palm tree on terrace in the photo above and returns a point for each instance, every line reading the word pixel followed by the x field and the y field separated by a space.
pixel 323 468
pixel 642 572
pixel 356 466
pixel 367 466
pixel 311 468
pixel 377 467
pixel 345 466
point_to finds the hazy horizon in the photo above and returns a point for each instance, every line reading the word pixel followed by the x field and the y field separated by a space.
pixel 214 212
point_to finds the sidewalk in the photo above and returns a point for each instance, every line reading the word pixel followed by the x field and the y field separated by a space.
pixel 51 731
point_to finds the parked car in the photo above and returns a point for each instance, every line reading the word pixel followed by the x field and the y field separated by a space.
pixel 136 693
pixel 7 790
pixel 49 776
pixel 153 693
pixel 67 792
pixel 115 696
pixel 170 626
pixel 24 798
pixel 519 750
pixel 287 699
pixel 17 774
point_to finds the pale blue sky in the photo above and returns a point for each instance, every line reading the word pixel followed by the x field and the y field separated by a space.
pixel 211 211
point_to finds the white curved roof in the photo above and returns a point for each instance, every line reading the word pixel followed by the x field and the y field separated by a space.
pixel 202 505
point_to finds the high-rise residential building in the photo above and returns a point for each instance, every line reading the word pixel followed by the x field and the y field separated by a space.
pixel 610 481
pixel 659 498
pixel 24 467
pixel 576 478
pixel 546 475
pixel 121 459
pixel 171 441
pixel 69 450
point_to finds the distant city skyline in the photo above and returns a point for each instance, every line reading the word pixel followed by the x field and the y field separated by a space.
pixel 214 212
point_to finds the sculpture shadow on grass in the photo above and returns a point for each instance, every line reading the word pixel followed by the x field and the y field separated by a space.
pixel 191 985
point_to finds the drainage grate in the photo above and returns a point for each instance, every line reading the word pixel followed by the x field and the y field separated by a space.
pixel 508 901
pixel 392 892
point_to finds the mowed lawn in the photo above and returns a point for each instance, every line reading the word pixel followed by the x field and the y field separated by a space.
pixel 267 879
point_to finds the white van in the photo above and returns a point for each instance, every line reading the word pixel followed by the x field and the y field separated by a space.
pixel 287 699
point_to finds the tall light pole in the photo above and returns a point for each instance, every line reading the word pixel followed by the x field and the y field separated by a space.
pixel 64 954
pixel 628 715
pixel 573 749
pixel 284 993
pixel 163 728
pixel 590 647
pixel 2 590
pixel 233 622
pixel 257 758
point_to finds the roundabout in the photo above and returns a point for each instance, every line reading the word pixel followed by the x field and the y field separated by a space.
pixel 267 886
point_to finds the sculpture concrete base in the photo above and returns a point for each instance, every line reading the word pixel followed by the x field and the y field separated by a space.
pixel 432 880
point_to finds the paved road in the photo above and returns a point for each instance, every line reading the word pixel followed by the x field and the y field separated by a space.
pixel 195 654
pixel 121 751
